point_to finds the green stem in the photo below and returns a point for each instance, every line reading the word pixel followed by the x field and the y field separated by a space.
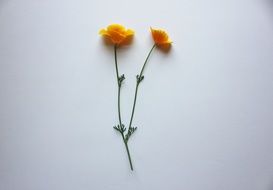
pixel 128 152
pixel 119 112
pixel 146 60
pixel 137 85
pixel 119 85
pixel 134 105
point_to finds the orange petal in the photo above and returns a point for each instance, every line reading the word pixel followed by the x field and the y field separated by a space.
pixel 160 36
pixel 116 27
pixel 116 37
pixel 117 33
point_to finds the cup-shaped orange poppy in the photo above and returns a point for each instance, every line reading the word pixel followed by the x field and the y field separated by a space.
pixel 161 38
pixel 117 34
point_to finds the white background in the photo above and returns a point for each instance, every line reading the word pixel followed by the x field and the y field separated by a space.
pixel 205 109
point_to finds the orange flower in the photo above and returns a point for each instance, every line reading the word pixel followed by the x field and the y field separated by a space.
pixel 117 34
pixel 160 37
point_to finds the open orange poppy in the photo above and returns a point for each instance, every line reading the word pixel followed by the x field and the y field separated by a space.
pixel 117 34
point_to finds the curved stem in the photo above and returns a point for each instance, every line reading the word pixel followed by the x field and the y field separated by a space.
pixel 137 84
pixel 146 60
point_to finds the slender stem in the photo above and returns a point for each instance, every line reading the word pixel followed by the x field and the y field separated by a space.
pixel 116 62
pixel 119 85
pixel 146 60
pixel 128 152
pixel 137 85
pixel 134 105
pixel 119 112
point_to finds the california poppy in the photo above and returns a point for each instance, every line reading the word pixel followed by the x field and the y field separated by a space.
pixel 117 34
pixel 161 37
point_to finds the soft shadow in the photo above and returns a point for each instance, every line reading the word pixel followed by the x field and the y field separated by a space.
pixel 269 4
pixel 165 48
pixel 107 46
pixel 3 3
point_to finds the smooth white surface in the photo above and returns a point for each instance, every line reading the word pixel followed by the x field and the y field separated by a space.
pixel 205 110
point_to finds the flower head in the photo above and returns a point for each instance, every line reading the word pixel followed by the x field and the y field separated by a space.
pixel 117 34
pixel 161 37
